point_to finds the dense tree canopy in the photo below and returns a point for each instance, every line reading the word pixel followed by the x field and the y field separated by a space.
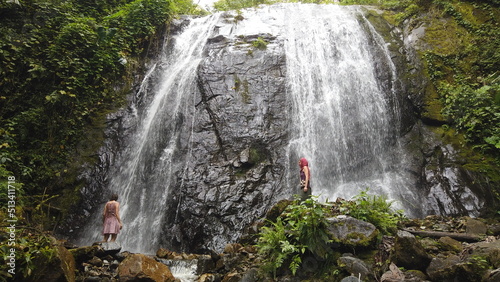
pixel 60 63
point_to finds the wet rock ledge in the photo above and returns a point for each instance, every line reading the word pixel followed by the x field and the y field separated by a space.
pixel 431 249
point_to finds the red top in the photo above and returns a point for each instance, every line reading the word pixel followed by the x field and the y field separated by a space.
pixel 302 163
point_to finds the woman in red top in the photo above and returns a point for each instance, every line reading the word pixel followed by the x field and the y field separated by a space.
pixel 305 178
pixel 111 219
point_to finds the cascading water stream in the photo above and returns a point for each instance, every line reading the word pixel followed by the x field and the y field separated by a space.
pixel 144 174
pixel 343 118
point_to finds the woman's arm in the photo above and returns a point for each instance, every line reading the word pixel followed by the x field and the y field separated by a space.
pixel 306 172
pixel 104 212
pixel 118 214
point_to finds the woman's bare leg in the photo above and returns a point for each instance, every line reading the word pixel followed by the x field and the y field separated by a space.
pixel 106 237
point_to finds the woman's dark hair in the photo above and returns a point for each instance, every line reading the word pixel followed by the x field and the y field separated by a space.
pixel 114 197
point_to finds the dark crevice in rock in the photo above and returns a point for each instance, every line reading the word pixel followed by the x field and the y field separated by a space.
pixel 205 98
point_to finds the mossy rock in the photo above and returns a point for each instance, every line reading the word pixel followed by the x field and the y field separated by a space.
pixel 350 232
pixel 431 113
pixel 55 264
pixel 277 210
pixel 85 253
pixel 409 252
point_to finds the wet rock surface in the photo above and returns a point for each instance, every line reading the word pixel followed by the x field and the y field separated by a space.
pixel 403 257
pixel 237 166
pixel 341 229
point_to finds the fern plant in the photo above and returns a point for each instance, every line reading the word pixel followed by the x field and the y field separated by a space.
pixel 375 209
pixel 274 246
pixel 300 228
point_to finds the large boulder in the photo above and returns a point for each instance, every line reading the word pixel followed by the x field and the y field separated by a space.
pixel 487 251
pixel 139 267
pixel 86 253
pixel 111 248
pixel 348 231
pixel 449 244
pixel 355 266
pixel 60 266
pixel 468 267
pixel 442 268
pixel 409 253
pixel 475 227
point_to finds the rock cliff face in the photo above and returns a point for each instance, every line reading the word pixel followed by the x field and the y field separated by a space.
pixel 230 163
pixel 238 143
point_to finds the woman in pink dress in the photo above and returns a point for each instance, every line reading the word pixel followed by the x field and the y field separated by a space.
pixel 111 219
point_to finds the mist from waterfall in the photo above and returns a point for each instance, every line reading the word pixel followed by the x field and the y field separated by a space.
pixel 344 120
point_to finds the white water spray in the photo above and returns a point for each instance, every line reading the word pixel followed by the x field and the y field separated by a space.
pixel 343 120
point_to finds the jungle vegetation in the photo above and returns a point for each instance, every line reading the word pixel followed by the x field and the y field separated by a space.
pixel 63 65
pixel 301 230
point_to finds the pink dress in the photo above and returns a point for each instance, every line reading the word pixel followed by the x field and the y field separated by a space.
pixel 111 224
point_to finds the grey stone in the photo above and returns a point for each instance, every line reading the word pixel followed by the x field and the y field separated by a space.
pixel 475 227
pixel 350 231
pixel 409 253
pixel 355 266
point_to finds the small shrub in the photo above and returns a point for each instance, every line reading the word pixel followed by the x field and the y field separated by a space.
pixel 300 228
pixel 374 209
pixel 260 43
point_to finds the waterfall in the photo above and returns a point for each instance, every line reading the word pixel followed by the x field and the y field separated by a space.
pixel 182 269
pixel 143 174
pixel 344 120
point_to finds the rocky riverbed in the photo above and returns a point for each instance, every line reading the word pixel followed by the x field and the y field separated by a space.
pixel 431 249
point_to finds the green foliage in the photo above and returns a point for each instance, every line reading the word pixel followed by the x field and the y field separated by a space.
pixel 33 250
pixel 300 228
pixel 463 66
pixel 474 111
pixel 274 245
pixel 260 43
pixel 61 62
pixel 375 209
pixel 138 20
pixel 226 5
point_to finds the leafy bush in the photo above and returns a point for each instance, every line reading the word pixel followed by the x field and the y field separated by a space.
pixel 33 251
pixel 474 111
pixel 301 228
pixel 274 245
pixel 465 72
pixel 375 209
pixel 138 20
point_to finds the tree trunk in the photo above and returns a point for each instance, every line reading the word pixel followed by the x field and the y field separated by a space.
pixel 438 234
